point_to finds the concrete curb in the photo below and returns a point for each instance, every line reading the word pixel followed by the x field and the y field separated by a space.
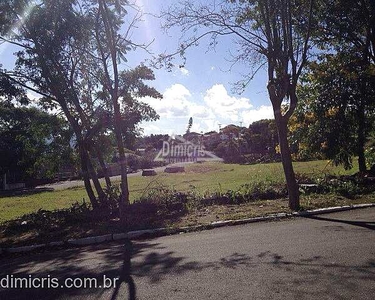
pixel 168 231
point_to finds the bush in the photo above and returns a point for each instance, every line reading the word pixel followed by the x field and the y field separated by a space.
pixel 263 191
pixel 247 193
pixel 112 202
pixel 348 189
pixel 304 178
pixel 46 220
pixel 133 162
pixel 165 199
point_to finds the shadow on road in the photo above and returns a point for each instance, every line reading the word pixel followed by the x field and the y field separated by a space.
pixel 125 275
pixel 111 261
pixel 148 261
pixel 363 224
pixel 318 277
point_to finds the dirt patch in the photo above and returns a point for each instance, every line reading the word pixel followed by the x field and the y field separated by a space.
pixel 177 217
pixel 203 168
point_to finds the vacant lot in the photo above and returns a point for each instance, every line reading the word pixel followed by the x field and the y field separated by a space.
pixel 206 177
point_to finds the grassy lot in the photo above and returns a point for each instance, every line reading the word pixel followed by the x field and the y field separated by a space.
pixel 207 177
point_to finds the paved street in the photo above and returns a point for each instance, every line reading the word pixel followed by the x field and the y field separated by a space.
pixel 326 257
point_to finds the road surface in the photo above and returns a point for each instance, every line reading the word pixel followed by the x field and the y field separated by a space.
pixel 326 257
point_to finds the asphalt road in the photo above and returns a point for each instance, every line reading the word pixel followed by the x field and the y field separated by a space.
pixel 327 257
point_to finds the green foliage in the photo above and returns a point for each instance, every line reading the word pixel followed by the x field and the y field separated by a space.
pixel 255 144
pixel 165 198
pixel 261 138
pixel 229 150
pixel 335 111
pixel 75 214
pixel 111 202
pixel 370 151
pixel 146 162
pixel 9 91
pixel 263 191
pixel 69 52
pixel 134 111
pixel 34 144
pixel 169 199
pixel 190 124
pixel 348 189
pixel 370 157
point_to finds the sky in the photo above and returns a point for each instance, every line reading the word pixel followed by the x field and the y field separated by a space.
pixel 202 89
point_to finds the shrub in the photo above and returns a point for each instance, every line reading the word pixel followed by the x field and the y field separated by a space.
pixel 263 191
pixel 112 202
pixel 246 193
pixel 45 220
pixel 304 178
pixel 165 198
pixel 348 189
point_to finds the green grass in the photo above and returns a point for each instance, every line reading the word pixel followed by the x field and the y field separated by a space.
pixel 214 176
pixel 207 177
pixel 16 206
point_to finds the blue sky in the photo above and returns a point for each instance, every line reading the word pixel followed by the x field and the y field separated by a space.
pixel 202 89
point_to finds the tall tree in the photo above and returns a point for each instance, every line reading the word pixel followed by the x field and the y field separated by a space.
pixel 33 143
pixel 349 24
pixel 336 111
pixel 271 33
pixel 347 28
pixel 190 124
pixel 111 47
pixel 70 53
pixel 261 137
pixel 46 34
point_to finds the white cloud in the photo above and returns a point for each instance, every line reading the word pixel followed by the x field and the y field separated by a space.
pixel 150 128
pixel 174 103
pixel 184 71
pixel 224 105
pixel 177 103
pixel 177 106
pixel 211 124
pixel 263 112
pixel 197 127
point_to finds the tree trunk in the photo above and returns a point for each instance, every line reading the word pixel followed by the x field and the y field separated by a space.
pixel 103 166
pixel 124 198
pixel 86 177
pixel 113 84
pixel 95 180
pixel 361 140
pixel 56 85
pixel 84 160
pixel 83 154
pixel 286 159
